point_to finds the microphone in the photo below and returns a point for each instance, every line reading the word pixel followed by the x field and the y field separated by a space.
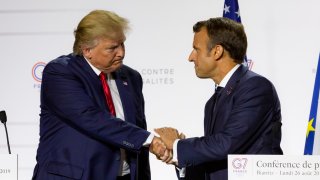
pixel 3 119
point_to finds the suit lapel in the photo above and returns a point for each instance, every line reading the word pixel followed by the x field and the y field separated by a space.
pixel 93 84
pixel 226 93
pixel 124 88
pixel 86 67
pixel 123 85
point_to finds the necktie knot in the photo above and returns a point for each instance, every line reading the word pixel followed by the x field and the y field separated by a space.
pixel 103 76
pixel 218 89
pixel 216 96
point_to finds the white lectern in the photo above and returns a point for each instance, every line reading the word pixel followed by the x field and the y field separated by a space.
pixel 273 167
pixel 9 166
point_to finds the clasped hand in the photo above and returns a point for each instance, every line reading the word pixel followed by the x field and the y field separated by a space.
pixel 162 147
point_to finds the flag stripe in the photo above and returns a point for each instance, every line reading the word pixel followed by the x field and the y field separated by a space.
pixel 310 139
pixel 316 144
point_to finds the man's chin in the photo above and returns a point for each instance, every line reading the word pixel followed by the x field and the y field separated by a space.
pixel 201 76
pixel 113 68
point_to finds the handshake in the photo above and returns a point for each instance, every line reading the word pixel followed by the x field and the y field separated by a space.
pixel 162 147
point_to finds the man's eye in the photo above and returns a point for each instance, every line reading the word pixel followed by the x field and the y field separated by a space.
pixel 113 47
pixel 110 49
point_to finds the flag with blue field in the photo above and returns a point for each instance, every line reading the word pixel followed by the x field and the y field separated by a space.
pixel 231 10
pixel 312 145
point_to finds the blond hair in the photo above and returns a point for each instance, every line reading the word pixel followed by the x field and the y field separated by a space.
pixel 98 24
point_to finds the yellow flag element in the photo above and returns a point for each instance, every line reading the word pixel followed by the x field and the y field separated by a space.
pixel 310 127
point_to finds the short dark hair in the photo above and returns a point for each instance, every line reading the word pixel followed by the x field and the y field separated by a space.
pixel 227 33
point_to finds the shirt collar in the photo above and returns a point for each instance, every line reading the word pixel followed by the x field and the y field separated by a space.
pixel 226 78
pixel 97 71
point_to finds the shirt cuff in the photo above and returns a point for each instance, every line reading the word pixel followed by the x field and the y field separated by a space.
pixel 149 140
pixel 182 172
pixel 175 150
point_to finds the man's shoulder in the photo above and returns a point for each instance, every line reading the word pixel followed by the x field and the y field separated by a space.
pixel 64 63
pixel 64 59
pixel 258 77
pixel 242 76
pixel 255 81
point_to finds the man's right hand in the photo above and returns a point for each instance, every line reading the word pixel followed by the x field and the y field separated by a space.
pixel 157 147
pixel 168 135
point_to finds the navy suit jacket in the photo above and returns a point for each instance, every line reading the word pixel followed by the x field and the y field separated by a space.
pixel 245 120
pixel 79 138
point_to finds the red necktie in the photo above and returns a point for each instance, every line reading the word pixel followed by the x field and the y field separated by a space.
pixel 107 93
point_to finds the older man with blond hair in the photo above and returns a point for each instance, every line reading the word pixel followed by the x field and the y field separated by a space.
pixel 92 121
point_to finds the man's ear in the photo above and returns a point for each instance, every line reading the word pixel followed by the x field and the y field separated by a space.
pixel 86 52
pixel 218 51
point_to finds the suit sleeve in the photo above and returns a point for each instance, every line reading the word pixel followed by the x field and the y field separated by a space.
pixel 67 98
pixel 248 119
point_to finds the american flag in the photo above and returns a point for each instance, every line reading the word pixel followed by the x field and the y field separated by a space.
pixel 231 10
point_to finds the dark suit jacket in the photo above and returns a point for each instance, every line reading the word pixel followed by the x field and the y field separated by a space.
pixel 246 120
pixel 79 139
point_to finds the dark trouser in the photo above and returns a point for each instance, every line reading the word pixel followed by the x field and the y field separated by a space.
pixel 126 177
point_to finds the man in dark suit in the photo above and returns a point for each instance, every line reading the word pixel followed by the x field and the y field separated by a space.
pixel 242 117
pixel 81 135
